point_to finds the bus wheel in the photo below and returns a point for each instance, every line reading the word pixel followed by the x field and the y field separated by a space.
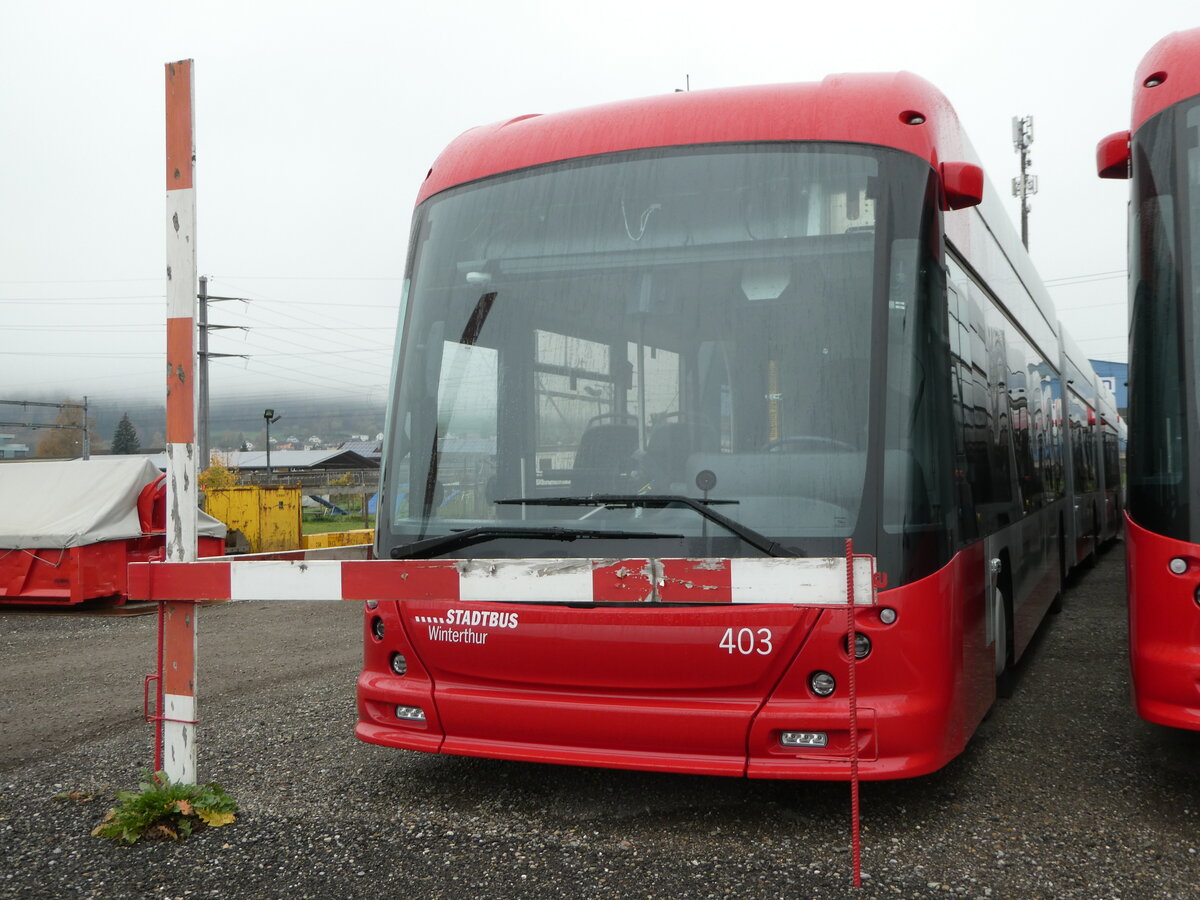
pixel 1094 553
pixel 1005 677
pixel 1056 605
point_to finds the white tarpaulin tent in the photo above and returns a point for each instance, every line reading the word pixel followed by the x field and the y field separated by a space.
pixel 71 503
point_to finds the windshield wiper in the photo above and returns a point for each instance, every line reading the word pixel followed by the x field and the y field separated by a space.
pixel 447 543
pixel 658 501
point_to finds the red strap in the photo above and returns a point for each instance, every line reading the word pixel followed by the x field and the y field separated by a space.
pixel 855 839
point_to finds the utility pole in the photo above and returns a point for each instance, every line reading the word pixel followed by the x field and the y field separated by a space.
pixel 1025 184
pixel 204 356
pixel 271 418
pixel 202 387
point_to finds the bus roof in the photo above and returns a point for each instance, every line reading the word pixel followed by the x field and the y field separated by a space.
pixel 899 110
pixel 1168 73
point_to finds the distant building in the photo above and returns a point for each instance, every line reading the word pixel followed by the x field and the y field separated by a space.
pixel 285 461
pixel 300 460
pixel 372 450
pixel 1116 376
pixel 9 450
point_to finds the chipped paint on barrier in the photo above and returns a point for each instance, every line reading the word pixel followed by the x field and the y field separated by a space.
pixel 181 500
pixel 534 581
pixel 179 737
pixel 783 581
pixel 808 582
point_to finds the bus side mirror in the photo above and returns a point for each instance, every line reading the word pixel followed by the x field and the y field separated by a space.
pixel 962 185
pixel 1112 156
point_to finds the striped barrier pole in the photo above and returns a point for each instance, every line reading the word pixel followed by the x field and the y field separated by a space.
pixel 852 652
pixel 175 725
pixel 319 575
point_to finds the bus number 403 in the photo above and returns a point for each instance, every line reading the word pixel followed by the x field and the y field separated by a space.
pixel 746 641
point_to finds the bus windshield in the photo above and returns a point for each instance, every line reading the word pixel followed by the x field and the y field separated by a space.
pixel 693 322
pixel 1165 277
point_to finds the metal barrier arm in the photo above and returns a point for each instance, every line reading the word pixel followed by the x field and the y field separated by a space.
pixel 831 584
pixel 776 581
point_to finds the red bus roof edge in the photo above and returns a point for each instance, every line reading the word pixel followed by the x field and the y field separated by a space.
pixel 899 110
pixel 1167 74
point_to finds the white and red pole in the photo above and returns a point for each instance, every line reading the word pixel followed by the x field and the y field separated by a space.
pixel 175 730
pixel 855 821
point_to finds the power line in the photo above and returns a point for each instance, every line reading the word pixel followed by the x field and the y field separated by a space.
pixel 76 324
pixel 86 355
pixel 68 300
pixel 327 304
pixel 1092 306
pixel 264 298
pixel 75 280
pixel 1089 276
pixel 292 373
pixel 351 344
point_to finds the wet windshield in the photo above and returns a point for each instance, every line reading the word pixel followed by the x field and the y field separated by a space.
pixel 690 322
pixel 1165 277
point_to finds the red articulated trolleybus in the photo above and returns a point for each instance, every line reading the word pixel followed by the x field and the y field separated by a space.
pixel 658 361
pixel 1162 155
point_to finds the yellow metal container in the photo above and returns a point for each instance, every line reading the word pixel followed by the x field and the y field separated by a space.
pixel 337 539
pixel 259 519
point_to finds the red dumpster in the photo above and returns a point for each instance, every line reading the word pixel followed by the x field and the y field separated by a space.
pixel 70 528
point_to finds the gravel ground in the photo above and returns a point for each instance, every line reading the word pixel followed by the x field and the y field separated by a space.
pixel 1062 793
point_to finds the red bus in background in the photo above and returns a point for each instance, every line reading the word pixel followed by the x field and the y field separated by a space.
pixel 707 332
pixel 1161 153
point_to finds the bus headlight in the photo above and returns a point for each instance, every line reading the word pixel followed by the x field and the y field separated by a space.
pixel 377 628
pixel 399 663
pixel 1178 565
pixel 862 645
pixel 804 739
pixel 821 683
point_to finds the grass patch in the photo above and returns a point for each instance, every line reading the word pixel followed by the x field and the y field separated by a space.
pixel 161 809
pixel 325 524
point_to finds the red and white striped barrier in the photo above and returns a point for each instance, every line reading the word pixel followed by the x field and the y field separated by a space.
pixel 175 743
pixel 778 580
pixel 843 583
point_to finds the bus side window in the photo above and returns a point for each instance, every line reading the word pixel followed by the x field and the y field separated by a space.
pixel 960 375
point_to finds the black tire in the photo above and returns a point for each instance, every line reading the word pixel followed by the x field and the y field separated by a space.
pixel 1056 605
pixel 1006 681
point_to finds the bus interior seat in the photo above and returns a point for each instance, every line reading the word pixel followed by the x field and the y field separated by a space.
pixel 605 451
pixel 670 444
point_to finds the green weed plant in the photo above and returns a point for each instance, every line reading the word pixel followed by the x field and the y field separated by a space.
pixel 161 809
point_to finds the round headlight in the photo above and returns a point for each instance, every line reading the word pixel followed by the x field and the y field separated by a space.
pixel 377 628
pixel 862 645
pixel 887 615
pixel 399 663
pixel 821 683
pixel 1178 565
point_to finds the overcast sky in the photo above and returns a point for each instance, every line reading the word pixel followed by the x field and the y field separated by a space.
pixel 316 122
